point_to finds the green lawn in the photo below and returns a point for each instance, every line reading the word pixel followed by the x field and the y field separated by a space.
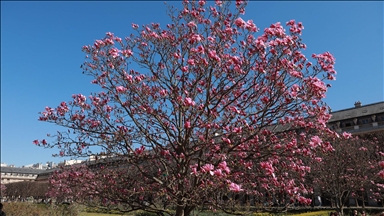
pixel 95 214
pixel 314 213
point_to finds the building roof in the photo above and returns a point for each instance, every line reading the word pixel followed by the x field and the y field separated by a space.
pixel 359 111
pixel 20 170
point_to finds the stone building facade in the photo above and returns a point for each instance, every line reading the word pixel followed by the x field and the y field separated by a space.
pixel 14 174
pixel 359 119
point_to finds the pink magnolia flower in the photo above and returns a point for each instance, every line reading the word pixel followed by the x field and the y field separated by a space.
pixel 184 69
pixel 278 146
pixel 347 135
pixel 237 130
pixel 267 166
pixel 250 26
pixel 140 150
pixel 117 39
pixel 207 168
pixel 218 172
pixel 290 23
pixel 363 149
pixel 191 24
pixel 297 74
pixel 229 31
pixel 265 99
pixel 213 55
pixel 202 2
pixel 218 2
pixel 235 187
pixel 248 165
pixel 163 92
pixel 191 62
pixel 200 49
pixel 381 174
pixel 330 77
pixel 194 170
pixel 222 164
pixel 99 43
pixel 135 26
pixel 176 55
pixel 187 124
pixel 381 164
pixel 109 41
pixel 195 38
pixel 114 52
pixel 127 53
pixel 304 200
pixel 293 94
pixel 234 110
pixel 315 141
pixel 165 153
pixel 121 89
pixel 189 102
pixel 319 84
pixel 228 141
pixel 240 23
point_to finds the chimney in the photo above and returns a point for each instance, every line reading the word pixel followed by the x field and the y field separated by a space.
pixel 358 104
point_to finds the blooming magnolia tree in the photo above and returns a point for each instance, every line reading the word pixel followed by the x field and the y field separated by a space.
pixel 199 113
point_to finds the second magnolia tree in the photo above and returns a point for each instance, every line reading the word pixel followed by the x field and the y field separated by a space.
pixel 218 113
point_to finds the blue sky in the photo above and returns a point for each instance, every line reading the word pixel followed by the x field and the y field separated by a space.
pixel 41 55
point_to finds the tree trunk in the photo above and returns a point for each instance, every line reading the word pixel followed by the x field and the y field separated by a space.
pixel 188 210
pixel 340 205
pixel 179 211
pixel 183 210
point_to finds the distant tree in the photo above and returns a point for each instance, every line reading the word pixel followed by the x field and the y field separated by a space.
pixel 347 172
pixel 3 190
pixel 24 189
pixel 197 114
pixel 378 191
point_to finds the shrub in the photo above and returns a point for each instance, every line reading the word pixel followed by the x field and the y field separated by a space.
pixel 30 209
